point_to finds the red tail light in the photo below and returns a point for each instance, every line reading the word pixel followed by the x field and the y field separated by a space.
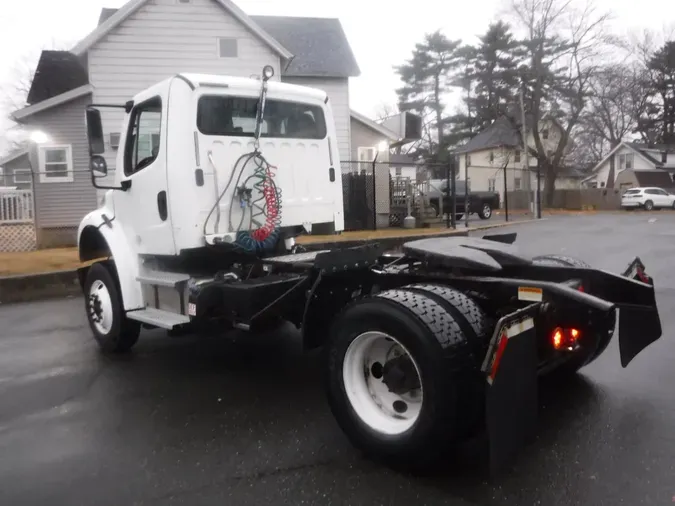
pixel 564 338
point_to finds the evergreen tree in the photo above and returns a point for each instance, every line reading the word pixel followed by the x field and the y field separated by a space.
pixel 426 77
pixel 496 74
pixel 657 124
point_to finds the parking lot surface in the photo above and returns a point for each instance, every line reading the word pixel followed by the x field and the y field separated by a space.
pixel 242 420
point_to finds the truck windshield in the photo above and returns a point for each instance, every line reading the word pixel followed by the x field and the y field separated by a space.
pixel 235 117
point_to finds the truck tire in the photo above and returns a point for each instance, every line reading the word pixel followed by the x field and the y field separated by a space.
pixel 589 355
pixel 113 331
pixel 399 378
pixel 485 212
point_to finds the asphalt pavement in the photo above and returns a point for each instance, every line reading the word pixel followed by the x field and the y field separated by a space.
pixel 242 420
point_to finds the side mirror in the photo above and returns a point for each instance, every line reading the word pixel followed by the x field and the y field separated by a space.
pixel 98 166
pixel 95 132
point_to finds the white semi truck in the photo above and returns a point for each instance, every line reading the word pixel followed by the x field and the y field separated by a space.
pixel 214 179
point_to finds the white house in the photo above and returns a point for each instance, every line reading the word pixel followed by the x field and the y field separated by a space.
pixel 500 146
pixel 634 164
pixel 146 41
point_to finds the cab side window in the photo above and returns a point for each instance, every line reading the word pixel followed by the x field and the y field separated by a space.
pixel 143 137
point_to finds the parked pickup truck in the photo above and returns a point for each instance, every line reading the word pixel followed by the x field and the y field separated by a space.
pixel 480 203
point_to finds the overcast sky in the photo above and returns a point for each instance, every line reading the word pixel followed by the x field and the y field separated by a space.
pixel 382 33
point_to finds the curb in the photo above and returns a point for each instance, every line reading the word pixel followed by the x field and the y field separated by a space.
pixel 50 285
pixel 33 287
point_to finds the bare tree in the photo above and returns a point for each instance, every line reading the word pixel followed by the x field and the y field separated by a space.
pixel 617 99
pixel 563 45
pixel 385 110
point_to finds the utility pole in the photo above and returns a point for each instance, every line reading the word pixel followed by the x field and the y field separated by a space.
pixel 533 201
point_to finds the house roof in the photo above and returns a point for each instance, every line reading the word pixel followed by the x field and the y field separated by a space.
pixel 319 45
pixel 639 149
pixel 658 178
pixel 52 102
pixel 645 148
pixel 373 125
pixel 401 159
pixel 17 153
pixel 111 20
pixel 501 133
pixel 105 14
pixel 57 72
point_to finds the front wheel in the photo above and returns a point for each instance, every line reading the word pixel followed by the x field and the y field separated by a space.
pixel 399 376
pixel 485 211
pixel 649 205
pixel 113 331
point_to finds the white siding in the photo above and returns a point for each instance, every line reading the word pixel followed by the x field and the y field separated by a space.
pixel 482 170
pixel 338 93
pixel 164 38
pixel 65 204
pixel 601 176
pixel 363 137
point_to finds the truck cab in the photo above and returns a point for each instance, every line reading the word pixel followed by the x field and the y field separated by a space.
pixel 181 177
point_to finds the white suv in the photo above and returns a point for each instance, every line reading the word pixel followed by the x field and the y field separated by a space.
pixel 648 198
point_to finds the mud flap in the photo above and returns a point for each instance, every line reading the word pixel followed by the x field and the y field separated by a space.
pixel 510 368
pixel 639 325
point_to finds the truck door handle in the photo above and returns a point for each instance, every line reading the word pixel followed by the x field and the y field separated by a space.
pixel 331 174
pixel 161 205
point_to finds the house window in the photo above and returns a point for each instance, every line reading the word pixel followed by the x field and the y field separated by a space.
pixel 516 158
pixel 664 156
pixel 622 162
pixel 516 183
pixel 56 164
pixel 468 160
pixel 366 154
pixel 399 171
pixel 629 160
pixel 492 185
pixel 544 133
pixel 227 47
pixel 22 176
pixel 492 156
pixel 142 145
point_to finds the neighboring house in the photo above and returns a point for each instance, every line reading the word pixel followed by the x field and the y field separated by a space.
pixel 368 140
pixel 567 179
pixel 15 170
pixel 644 178
pixel 485 155
pixel 403 166
pixel 144 42
pixel 623 167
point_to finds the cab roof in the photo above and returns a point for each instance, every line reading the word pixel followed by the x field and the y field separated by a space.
pixel 250 84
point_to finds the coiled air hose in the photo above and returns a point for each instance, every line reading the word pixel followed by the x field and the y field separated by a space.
pixel 263 230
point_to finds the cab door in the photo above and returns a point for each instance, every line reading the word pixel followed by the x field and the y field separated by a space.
pixel 143 209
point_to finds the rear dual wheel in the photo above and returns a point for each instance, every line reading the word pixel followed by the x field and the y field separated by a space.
pixel 403 378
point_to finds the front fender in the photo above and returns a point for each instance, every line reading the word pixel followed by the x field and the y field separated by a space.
pixel 100 235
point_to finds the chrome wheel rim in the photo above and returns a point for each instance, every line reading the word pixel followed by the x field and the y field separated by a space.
pixel 100 307
pixel 384 399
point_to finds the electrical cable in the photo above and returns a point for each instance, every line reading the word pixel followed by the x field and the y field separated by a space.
pixel 262 236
